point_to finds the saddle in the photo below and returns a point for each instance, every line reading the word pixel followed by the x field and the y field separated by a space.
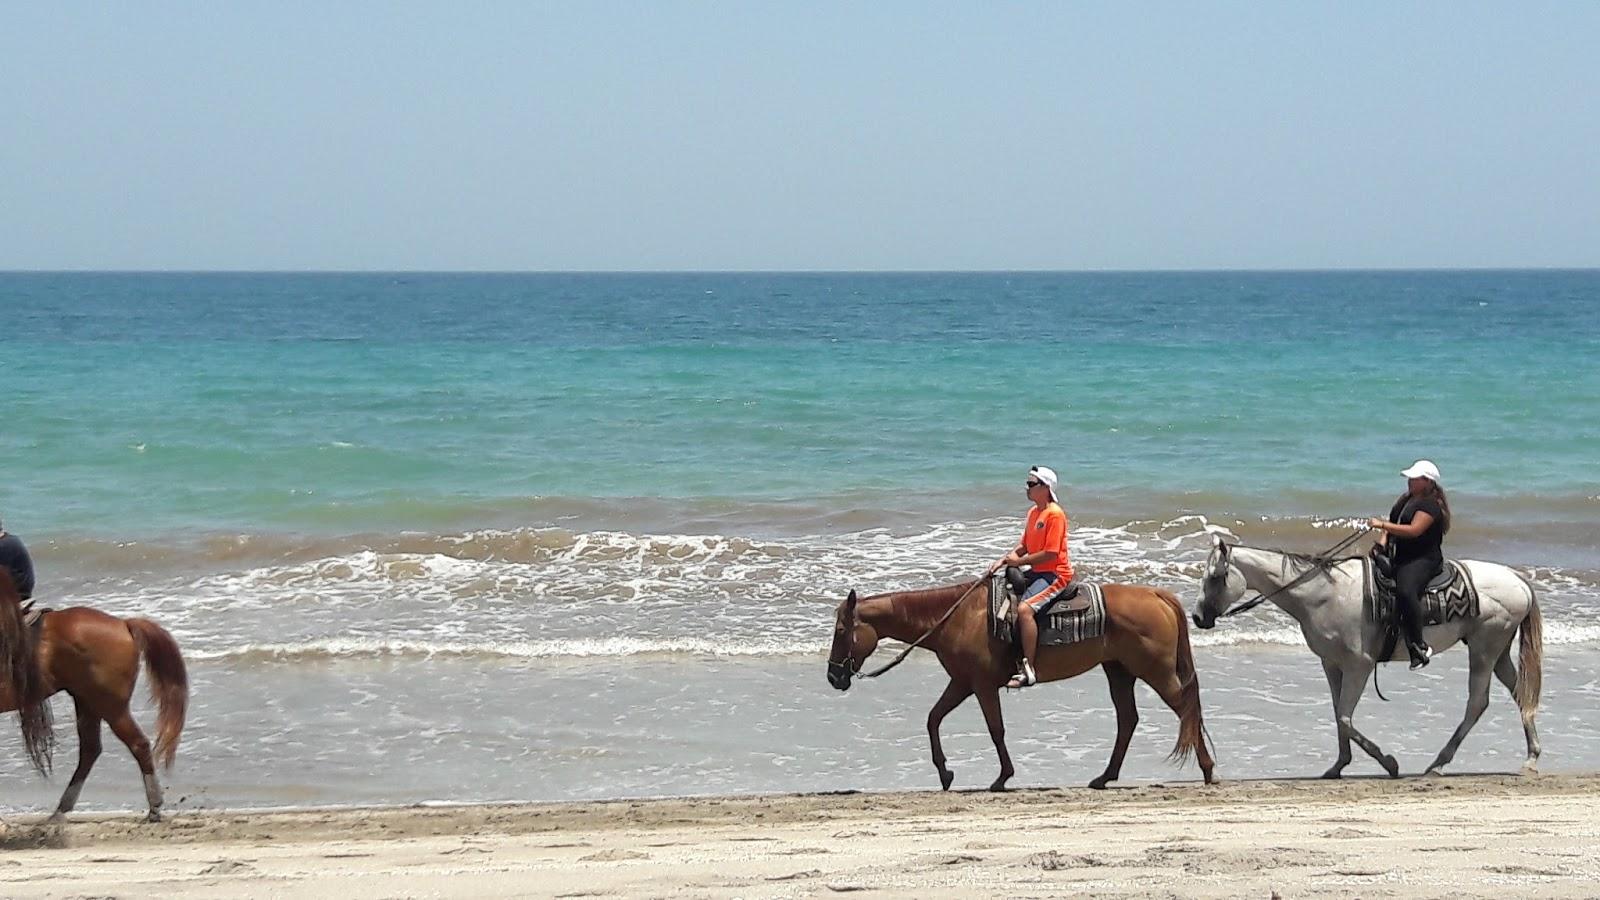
pixel 1076 613
pixel 1449 596
pixel 1065 600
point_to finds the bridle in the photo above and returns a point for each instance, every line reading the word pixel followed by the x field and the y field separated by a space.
pixel 844 668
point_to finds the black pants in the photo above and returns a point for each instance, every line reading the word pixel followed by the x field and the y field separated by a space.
pixel 1410 579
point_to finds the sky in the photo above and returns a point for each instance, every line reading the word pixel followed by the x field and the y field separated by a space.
pixel 798 136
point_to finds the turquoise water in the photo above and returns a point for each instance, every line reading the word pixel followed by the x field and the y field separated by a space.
pixel 141 403
pixel 401 521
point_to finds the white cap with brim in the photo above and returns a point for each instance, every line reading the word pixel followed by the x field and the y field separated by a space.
pixel 1423 468
pixel 1048 476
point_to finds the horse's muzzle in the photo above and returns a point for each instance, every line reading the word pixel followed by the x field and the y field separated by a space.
pixel 1207 622
pixel 839 675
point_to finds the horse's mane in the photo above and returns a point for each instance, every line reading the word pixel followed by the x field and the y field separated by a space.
pixel 1307 560
pixel 1304 561
pixel 922 607
pixel 937 593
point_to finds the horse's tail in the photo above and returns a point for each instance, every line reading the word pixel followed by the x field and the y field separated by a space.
pixel 1530 677
pixel 169 684
pixel 20 669
pixel 1191 723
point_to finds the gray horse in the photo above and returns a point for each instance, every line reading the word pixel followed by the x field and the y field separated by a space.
pixel 1325 597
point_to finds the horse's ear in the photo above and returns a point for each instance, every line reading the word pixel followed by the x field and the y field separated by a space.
pixel 850 604
pixel 1216 540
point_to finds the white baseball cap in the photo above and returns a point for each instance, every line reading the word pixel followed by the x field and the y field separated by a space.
pixel 1423 468
pixel 1048 476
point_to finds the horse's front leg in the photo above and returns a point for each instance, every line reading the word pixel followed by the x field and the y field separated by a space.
pixel 1335 682
pixel 989 699
pixel 1353 682
pixel 954 694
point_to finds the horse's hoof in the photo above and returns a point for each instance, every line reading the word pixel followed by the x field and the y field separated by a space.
pixel 999 785
pixel 1390 766
pixel 1433 772
pixel 945 778
pixel 1334 774
pixel 153 817
pixel 1530 768
pixel 56 818
pixel 1210 778
pixel 1100 783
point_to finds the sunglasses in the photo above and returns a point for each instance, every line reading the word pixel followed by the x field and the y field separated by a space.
pixel 1034 484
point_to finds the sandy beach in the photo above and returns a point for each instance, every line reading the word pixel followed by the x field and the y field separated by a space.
pixel 1477 835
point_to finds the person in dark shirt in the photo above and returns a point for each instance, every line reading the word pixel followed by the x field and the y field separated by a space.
pixel 1414 534
pixel 14 558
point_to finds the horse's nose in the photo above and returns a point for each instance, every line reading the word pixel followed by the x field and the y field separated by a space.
pixel 1204 623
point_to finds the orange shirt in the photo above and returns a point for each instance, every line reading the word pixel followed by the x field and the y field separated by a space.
pixel 1047 530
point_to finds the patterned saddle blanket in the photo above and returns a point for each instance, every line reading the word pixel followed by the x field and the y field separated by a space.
pixel 1451 595
pixel 1057 625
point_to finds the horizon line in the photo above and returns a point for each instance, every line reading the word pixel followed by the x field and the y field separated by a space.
pixel 1040 271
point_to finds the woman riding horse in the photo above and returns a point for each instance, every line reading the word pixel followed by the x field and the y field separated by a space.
pixel 1414 535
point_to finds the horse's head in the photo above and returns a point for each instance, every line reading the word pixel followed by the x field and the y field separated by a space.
pixel 853 642
pixel 1220 587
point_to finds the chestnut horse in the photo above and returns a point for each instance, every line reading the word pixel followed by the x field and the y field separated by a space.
pixel 94 657
pixel 1146 638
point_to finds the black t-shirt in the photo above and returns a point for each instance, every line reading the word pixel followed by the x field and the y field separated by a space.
pixel 14 558
pixel 1427 545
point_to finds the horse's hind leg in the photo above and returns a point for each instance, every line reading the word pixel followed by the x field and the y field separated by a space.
pixel 953 695
pixel 1506 671
pixel 127 730
pixel 1121 681
pixel 1477 702
pixel 88 752
pixel 989 700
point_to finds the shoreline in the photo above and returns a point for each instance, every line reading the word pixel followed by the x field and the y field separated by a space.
pixel 1500 834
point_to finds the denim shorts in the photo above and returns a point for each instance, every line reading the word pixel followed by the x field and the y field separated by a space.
pixel 1038 583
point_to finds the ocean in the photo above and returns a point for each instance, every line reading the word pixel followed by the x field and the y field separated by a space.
pixel 457 537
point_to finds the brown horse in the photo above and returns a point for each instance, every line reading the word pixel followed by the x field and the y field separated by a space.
pixel 94 657
pixel 1146 638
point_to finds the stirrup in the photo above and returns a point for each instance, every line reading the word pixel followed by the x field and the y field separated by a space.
pixel 1419 661
pixel 1024 678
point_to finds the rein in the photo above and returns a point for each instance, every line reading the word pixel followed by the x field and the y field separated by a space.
pixel 1322 560
pixel 929 633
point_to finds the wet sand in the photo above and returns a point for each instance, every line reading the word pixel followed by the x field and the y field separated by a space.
pixel 1474 835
